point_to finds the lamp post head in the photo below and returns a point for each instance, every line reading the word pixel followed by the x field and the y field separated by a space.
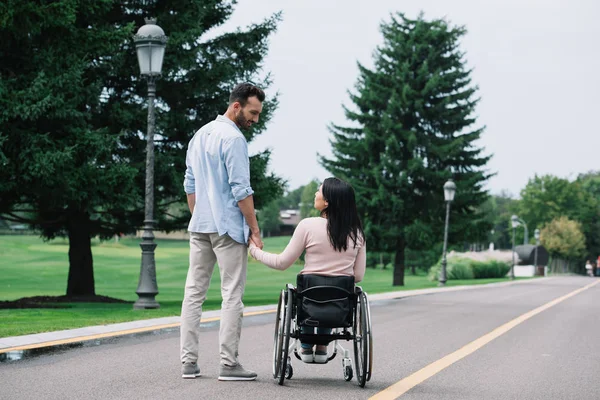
pixel 150 42
pixel 514 221
pixel 449 190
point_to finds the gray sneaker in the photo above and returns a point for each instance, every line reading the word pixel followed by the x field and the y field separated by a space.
pixel 190 370
pixel 236 373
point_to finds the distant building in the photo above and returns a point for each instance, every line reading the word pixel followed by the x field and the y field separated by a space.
pixel 289 220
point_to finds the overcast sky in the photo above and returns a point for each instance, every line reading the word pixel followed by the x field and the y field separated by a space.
pixel 536 62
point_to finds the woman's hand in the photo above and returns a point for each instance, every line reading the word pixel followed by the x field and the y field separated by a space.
pixel 251 248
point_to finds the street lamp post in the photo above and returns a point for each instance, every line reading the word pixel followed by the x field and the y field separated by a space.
pixel 449 191
pixel 520 221
pixel 536 234
pixel 525 233
pixel 150 42
pixel 515 222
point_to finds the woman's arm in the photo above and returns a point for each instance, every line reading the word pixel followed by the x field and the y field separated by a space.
pixel 360 264
pixel 291 253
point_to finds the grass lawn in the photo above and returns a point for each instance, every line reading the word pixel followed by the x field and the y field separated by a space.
pixel 31 267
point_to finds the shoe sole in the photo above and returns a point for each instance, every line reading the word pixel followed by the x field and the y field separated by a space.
pixel 320 359
pixel 235 378
pixel 191 376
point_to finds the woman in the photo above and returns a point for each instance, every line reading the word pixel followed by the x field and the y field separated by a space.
pixel 334 244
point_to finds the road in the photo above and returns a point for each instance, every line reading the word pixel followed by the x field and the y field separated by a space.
pixel 437 346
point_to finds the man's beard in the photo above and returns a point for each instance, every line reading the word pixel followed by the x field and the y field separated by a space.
pixel 241 121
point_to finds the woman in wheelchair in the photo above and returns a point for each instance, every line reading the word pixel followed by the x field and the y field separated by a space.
pixel 334 245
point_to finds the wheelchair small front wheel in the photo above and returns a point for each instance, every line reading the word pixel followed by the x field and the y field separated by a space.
pixel 347 373
pixel 289 371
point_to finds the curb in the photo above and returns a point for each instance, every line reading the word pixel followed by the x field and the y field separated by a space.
pixel 90 333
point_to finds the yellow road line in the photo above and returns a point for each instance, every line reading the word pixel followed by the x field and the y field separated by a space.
pixel 404 385
pixel 114 334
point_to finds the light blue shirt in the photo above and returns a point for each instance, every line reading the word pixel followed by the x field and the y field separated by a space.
pixel 218 172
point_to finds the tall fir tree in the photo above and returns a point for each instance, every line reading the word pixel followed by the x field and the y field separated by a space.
pixel 73 114
pixel 590 183
pixel 412 129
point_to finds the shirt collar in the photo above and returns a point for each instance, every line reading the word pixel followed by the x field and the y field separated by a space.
pixel 222 118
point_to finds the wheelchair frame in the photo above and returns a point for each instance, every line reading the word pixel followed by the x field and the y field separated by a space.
pixel 287 334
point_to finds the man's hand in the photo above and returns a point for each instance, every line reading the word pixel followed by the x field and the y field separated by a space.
pixel 191 199
pixel 256 240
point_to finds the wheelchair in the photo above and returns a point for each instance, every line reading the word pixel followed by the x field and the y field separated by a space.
pixel 324 302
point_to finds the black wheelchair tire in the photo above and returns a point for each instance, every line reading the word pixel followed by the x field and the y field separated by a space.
pixel 361 340
pixel 278 336
pixel 370 337
pixel 286 335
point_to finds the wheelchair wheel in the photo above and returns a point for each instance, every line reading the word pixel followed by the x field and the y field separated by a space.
pixel 289 371
pixel 278 337
pixel 347 373
pixel 370 337
pixel 361 340
pixel 281 339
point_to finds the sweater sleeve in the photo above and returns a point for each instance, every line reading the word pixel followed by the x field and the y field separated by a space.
pixel 360 264
pixel 291 253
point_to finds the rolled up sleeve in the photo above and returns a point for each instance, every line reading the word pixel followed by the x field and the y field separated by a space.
pixel 189 182
pixel 235 155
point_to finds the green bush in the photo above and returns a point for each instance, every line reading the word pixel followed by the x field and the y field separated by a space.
pixel 460 268
pixel 456 268
pixel 464 268
pixel 489 269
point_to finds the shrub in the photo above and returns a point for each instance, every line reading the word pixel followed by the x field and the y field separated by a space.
pixel 489 269
pixel 456 268
pixel 465 268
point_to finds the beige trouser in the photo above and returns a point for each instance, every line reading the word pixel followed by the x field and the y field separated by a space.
pixel 232 257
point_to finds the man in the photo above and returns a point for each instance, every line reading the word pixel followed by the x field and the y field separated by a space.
pixel 217 183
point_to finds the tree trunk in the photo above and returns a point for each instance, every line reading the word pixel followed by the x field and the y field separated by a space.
pixel 399 264
pixel 81 263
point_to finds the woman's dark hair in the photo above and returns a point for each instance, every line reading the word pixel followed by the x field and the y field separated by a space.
pixel 343 221
pixel 242 92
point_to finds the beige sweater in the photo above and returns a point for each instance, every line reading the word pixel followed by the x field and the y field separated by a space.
pixel 320 258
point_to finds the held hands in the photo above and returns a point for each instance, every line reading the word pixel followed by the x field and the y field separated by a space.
pixel 252 243
pixel 255 240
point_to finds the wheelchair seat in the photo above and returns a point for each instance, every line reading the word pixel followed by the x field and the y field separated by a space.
pixel 325 301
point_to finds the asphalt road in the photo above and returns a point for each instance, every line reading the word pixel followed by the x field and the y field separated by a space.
pixel 555 354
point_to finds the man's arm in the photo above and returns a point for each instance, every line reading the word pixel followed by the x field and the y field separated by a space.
pixel 247 208
pixel 189 182
pixel 191 199
pixel 238 169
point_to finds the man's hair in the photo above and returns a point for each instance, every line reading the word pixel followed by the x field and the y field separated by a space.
pixel 243 91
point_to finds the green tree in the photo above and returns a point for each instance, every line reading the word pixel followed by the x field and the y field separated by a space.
pixel 73 114
pixel 268 218
pixel 548 197
pixel 291 199
pixel 498 209
pixel 412 129
pixel 307 200
pixel 590 183
pixel 564 238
